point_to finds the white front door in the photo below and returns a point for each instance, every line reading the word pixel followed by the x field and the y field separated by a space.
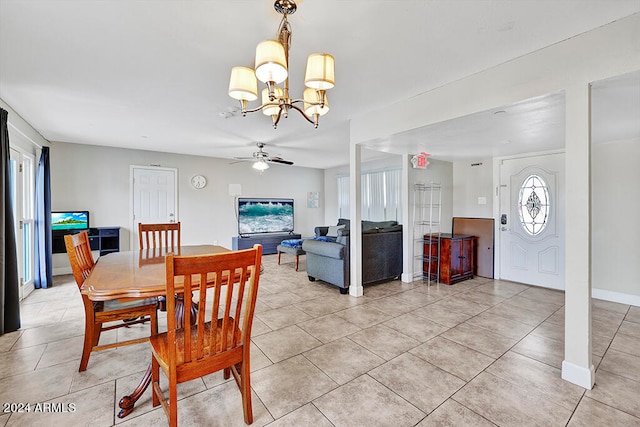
pixel 154 197
pixel 532 220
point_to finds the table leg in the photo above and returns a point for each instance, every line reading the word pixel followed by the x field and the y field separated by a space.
pixel 127 402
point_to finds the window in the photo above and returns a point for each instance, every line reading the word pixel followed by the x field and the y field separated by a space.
pixel 533 204
pixel 22 194
pixel 381 196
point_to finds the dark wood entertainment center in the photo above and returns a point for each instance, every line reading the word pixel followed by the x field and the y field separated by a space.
pixel 269 242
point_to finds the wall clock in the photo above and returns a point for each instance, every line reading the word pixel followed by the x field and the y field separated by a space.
pixel 198 181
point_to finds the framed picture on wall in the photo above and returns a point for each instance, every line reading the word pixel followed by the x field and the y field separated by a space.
pixel 313 199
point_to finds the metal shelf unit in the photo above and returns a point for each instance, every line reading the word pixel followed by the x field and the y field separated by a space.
pixel 427 211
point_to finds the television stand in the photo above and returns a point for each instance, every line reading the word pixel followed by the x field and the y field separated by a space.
pixel 102 239
pixel 269 241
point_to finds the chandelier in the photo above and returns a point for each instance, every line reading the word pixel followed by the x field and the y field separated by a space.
pixel 272 68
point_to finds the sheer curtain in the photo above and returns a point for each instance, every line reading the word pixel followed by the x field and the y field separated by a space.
pixel 44 274
pixel 343 197
pixel 9 285
pixel 381 195
pixel 393 184
pixel 376 197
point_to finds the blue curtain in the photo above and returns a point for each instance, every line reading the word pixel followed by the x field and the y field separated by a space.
pixel 9 285
pixel 44 273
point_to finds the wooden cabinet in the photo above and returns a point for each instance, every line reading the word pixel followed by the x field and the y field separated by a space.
pixel 453 255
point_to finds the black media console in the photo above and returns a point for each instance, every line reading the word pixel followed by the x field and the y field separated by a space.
pixel 269 242
pixel 102 239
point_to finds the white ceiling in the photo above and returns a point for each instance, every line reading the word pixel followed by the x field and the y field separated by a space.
pixel 153 74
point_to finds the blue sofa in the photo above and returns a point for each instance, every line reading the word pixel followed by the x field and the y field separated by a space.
pixel 381 254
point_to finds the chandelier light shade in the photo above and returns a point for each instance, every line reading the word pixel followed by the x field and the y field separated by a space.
pixel 272 68
pixel 243 85
pixel 271 62
pixel 313 105
pixel 320 73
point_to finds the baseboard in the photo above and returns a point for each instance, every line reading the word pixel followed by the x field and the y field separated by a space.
pixel 578 375
pixel 616 297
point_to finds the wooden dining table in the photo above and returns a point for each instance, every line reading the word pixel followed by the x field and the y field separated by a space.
pixel 131 275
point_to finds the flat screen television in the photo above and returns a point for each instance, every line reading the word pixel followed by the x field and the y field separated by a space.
pixel 69 220
pixel 264 215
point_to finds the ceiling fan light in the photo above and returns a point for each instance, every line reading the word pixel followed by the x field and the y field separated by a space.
pixel 311 97
pixel 271 62
pixel 271 108
pixel 260 165
pixel 320 73
pixel 243 84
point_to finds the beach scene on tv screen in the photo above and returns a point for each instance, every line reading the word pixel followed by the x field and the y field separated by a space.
pixel 261 216
pixel 69 220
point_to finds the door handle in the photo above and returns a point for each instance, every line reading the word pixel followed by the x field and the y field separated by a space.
pixel 505 229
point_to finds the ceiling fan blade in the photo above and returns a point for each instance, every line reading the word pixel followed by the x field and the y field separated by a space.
pixel 279 160
pixel 244 158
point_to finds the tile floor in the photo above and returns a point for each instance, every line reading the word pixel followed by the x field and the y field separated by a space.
pixel 478 353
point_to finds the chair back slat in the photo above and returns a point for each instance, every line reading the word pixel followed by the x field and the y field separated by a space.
pixel 220 281
pixel 80 257
pixel 153 236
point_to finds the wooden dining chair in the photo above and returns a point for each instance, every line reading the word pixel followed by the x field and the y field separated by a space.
pixel 227 285
pixel 152 236
pixel 96 313
pixel 159 239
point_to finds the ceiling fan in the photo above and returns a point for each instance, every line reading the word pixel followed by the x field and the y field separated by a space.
pixel 262 159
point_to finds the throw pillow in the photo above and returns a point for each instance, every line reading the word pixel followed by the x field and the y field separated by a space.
pixel 333 230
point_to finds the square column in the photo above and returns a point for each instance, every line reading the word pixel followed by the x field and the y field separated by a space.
pixel 355 217
pixel 577 366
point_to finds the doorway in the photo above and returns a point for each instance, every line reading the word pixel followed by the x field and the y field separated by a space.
pixel 531 222
pixel 154 197
pixel 483 229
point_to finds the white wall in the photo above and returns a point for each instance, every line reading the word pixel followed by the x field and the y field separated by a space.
pixel 21 135
pixel 615 205
pixel 473 180
pixel 96 178
pixel 439 172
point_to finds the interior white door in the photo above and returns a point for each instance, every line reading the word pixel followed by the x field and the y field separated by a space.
pixel 532 220
pixel 154 197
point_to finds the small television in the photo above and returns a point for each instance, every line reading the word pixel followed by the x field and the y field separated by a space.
pixel 264 215
pixel 69 220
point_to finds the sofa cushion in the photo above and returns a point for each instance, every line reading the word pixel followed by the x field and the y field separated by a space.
pixel 390 229
pixel 327 249
pixel 370 225
pixel 344 221
pixel 333 230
